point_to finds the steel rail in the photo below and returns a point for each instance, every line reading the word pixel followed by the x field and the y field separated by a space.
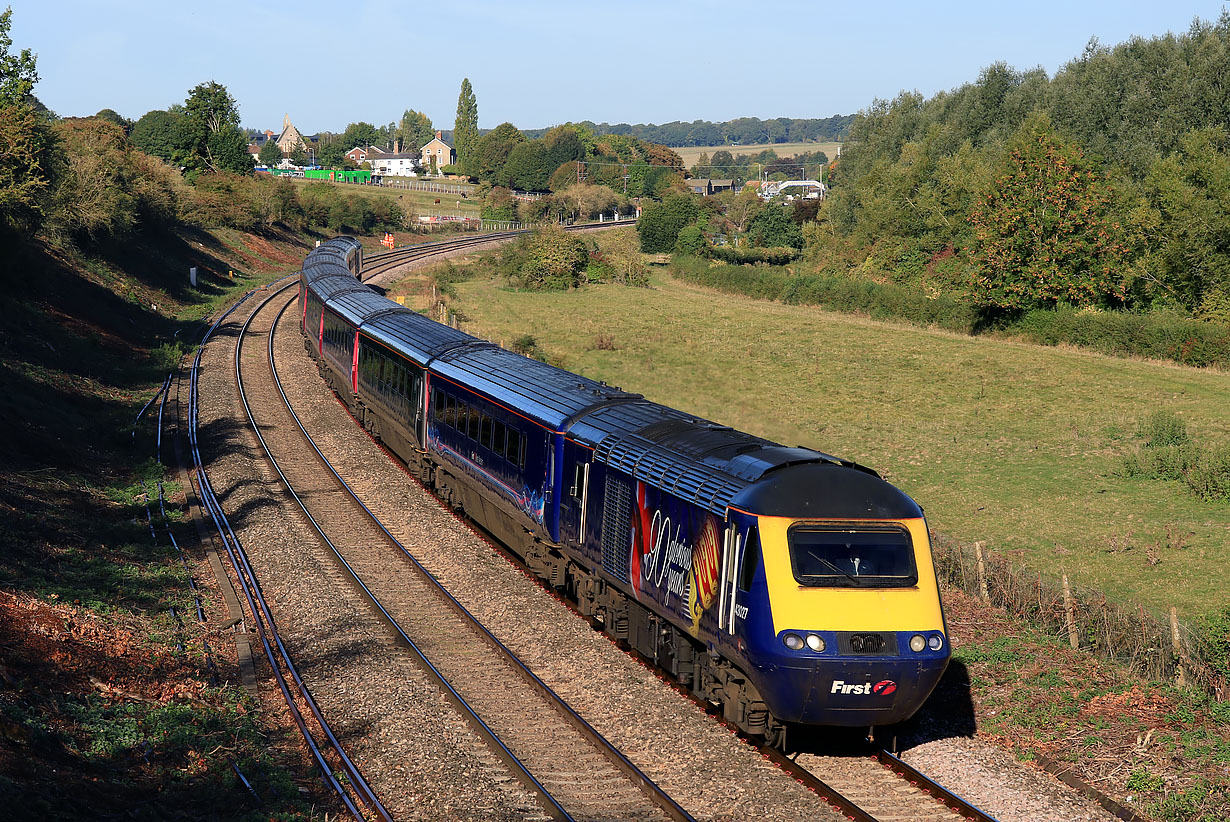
pixel 929 786
pixel 238 559
pixel 559 812
pixel 647 785
pixel 436 246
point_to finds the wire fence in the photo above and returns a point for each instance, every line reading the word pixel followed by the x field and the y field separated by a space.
pixel 431 188
pixel 1151 647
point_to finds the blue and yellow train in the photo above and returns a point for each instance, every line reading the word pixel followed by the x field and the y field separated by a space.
pixel 785 585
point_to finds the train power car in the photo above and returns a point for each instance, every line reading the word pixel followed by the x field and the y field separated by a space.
pixel 787 586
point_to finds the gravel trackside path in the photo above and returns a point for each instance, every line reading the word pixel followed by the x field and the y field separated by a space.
pixel 412 746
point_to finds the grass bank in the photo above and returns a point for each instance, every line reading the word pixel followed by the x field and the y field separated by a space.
pixel 110 702
pixel 1018 445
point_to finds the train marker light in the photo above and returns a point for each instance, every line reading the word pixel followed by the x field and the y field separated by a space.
pixel 917 643
pixel 815 642
pixel 935 642
pixel 793 641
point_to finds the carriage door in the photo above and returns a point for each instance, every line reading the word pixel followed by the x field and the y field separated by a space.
pixel 576 478
pixel 418 402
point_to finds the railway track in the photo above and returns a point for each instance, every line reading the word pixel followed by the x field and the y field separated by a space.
pixel 426 620
pixel 374 264
pixel 338 771
pixel 546 744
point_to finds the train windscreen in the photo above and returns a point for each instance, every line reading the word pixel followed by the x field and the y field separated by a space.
pixel 851 557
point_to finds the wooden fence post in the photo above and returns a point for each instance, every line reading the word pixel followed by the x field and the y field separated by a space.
pixel 1177 647
pixel 982 573
pixel 1069 614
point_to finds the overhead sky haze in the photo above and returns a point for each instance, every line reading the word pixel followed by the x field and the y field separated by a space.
pixel 537 63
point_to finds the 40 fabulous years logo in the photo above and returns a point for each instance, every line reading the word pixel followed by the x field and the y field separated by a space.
pixel 666 559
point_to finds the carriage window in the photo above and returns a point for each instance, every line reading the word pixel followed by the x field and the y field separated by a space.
pixel 472 424
pixel 499 438
pixel 867 557
pixel 751 559
pixel 513 453
pixel 485 432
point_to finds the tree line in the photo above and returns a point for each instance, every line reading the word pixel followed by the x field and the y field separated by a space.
pixel 740 131
pixel 92 181
pixel 1104 187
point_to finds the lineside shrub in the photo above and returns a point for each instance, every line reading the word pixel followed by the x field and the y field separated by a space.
pixel 879 300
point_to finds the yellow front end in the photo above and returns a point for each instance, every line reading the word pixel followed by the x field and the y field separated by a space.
pixel 796 607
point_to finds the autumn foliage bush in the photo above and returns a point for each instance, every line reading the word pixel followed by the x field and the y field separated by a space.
pixel 1046 232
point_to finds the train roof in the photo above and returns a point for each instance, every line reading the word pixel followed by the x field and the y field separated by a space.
pixel 362 305
pixel 550 395
pixel 330 286
pixel 421 338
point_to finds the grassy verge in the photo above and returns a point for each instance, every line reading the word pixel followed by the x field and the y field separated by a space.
pixel 1151 746
pixel 108 703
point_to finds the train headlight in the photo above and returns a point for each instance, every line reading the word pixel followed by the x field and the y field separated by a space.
pixel 935 642
pixel 793 641
pixel 815 642
pixel 917 643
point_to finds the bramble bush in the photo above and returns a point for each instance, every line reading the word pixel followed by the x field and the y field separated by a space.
pixel 744 255
pixel 1169 453
pixel 879 300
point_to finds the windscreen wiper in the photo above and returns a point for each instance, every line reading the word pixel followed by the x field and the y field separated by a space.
pixel 848 576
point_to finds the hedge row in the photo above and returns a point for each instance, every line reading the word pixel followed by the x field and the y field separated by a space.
pixel 1159 335
pixel 878 300
pixel 749 254
pixel 1162 335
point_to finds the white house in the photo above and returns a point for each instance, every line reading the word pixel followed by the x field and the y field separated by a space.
pixel 404 164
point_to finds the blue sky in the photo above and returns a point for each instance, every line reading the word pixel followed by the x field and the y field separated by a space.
pixel 540 62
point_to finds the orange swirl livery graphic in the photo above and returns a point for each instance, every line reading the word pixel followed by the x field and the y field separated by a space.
pixel 704 571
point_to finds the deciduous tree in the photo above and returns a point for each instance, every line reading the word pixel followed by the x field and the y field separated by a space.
pixel 27 168
pixel 18 72
pixel 28 148
pixel 1189 194
pixel 270 154
pixel 213 139
pixel 161 134
pixel 492 150
pixel 774 227
pixel 661 223
pixel 415 130
pixel 1046 232
pixel 361 135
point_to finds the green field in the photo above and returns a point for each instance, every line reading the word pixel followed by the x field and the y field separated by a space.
pixel 420 202
pixel 1010 443
pixel 691 154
